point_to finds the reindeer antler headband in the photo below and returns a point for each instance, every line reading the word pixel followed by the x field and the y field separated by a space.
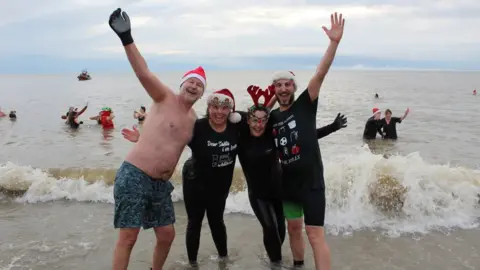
pixel 256 92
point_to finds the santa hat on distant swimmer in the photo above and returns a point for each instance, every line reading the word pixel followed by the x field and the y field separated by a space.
pixel 225 97
pixel 375 111
pixel 287 75
pixel 198 73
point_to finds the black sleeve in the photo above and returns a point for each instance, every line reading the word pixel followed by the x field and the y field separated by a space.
pixel 188 171
pixel 196 130
pixel 325 131
pixel 304 101
pixel 379 125
pixel 397 119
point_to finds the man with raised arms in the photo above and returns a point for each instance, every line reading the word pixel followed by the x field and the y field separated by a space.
pixel 142 190
pixel 295 136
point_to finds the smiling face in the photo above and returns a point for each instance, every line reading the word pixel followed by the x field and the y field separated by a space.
pixel 192 90
pixel 388 114
pixel 284 91
pixel 218 113
pixel 257 121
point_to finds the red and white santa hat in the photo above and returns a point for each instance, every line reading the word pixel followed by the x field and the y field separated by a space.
pixel 375 111
pixel 225 97
pixel 287 75
pixel 198 73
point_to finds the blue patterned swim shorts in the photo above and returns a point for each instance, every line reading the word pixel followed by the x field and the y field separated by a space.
pixel 141 201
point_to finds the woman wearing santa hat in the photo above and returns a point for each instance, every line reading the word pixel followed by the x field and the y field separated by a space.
pixel 208 174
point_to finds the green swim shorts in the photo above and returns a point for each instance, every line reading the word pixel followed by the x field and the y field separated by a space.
pixel 292 210
pixel 312 208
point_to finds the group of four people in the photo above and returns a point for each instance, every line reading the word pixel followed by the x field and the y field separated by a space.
pixel 278 151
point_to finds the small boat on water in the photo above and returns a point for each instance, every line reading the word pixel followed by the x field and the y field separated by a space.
pixel 84 76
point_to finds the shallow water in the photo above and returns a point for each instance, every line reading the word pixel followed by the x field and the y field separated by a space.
pixel 417 209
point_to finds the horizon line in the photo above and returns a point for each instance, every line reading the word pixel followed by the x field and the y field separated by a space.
pixel 359 69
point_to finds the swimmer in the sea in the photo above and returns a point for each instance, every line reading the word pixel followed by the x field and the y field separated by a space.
pixel 105 118
pixel 72 109
pixel 141 115
pixel 72 120
pixel 389 124
pixel 376 95
pixel 142 189
pixel 2 114
pixel 373 125
pixel 12 115
pixel 475 92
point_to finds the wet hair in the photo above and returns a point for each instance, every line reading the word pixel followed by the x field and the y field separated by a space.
pixel 388 111
pixel 143 108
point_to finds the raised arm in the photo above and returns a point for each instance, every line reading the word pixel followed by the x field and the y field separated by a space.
pixel 405 115
pixel 120 23
pixel 324 131
pixel 83 110
pixel 335 34
pixel 339 122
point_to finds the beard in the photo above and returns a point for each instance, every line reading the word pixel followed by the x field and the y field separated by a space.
pixel 288 102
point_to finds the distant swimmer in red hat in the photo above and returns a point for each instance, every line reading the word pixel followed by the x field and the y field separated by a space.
pixel 373 125
pixel 475 92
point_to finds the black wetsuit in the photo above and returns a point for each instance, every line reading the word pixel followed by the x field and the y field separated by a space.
pixel 262 170
pixel 390 129
pixel 207 177
pixel 371 128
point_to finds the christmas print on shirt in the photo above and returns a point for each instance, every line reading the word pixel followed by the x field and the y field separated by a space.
pixel 222 153
pixel 286 140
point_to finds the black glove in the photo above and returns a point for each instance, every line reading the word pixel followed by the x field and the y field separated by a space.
pixel 120 23
pixel 188 171
pixel 339 122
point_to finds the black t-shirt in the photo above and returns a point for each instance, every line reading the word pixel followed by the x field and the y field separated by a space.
pixel 213 156
pixel 390 129
pixel 371 128
pixel 259 161
pixel 295 136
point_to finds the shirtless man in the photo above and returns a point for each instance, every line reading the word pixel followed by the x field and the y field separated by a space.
pixel 142 190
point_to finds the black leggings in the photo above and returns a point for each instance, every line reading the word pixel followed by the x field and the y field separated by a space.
pixel 270 215
pixel 197 203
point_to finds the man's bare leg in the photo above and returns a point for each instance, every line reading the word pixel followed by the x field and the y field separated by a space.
pixel 125 243
pixel 165 236
pixel 295 234
pixel 321 251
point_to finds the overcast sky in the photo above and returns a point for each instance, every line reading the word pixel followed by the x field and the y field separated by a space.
pixel 243 34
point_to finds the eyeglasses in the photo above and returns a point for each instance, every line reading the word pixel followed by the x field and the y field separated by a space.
pixel 257 120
